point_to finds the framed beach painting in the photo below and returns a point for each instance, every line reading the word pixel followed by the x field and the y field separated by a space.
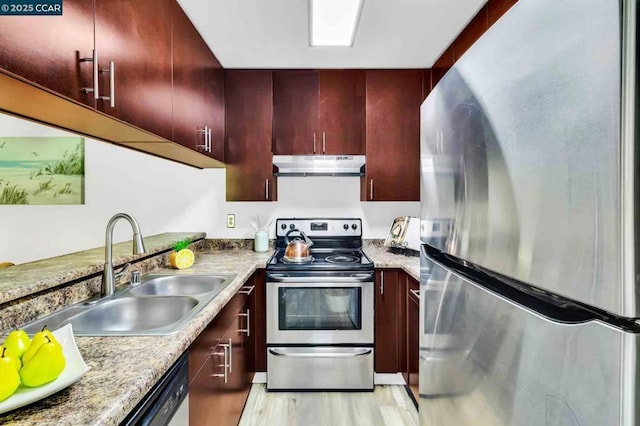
pixel 41 170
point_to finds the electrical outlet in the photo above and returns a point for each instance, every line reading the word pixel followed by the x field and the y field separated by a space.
pixel 231 221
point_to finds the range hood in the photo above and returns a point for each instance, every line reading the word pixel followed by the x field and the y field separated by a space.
pixel 319 165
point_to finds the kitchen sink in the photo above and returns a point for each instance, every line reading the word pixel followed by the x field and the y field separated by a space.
pixel 160 305
pixel 133 314
pixel 180 285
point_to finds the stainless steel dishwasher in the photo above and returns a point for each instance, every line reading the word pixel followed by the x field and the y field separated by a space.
pixel 167 403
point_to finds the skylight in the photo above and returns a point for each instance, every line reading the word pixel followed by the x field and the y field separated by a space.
pixel 333 22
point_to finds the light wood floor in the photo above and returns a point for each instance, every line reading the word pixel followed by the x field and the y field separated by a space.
pixel 385 406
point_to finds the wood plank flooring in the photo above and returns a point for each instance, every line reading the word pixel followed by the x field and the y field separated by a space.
pixel 385 406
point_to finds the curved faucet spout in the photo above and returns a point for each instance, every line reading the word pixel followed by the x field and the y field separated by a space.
pixel 108 277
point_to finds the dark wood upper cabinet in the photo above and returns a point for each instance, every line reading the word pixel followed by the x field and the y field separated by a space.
pixel 318 112
pixel 295 112
pixel 188 81
pixel 248 104
pixel 341 112
pixel 442 65
pixel 496 8
pixel 471 33
pixel 214 103
pixel 136 38
pixel 485 18
pixel 393 136
pixel 47 50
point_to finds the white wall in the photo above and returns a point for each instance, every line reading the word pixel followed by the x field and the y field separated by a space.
pixel 166 197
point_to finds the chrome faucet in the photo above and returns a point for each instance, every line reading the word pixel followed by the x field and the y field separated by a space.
pixel 109 278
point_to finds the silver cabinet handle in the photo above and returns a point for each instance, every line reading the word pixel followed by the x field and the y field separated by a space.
pixel 278 352
pixel 96 75
pixel 246 289
pixel 225 363
pixel 371 189
pixel 324 145
pixel 266 189
pixel 112 83
pixel 314 142
pixel 205 145
pixel 381 282
pixel 247 315
pixel 230 356
pixel 416 293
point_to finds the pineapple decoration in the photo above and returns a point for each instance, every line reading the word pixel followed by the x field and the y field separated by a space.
pixel 181 257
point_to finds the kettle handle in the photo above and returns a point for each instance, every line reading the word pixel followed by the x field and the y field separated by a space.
pixel 306 239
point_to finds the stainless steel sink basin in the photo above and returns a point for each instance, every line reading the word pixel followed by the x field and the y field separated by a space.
pixel 180 285
pixel 160 305
pixel 133 314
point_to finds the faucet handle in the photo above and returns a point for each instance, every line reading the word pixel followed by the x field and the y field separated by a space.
pixel 135 278
pixel 124 268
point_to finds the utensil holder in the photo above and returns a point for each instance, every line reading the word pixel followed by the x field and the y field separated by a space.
pixel 261 241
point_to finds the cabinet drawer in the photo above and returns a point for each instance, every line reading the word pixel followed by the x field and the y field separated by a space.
pixel 333 368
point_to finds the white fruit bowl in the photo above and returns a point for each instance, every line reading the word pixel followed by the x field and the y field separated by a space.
pixel 73 371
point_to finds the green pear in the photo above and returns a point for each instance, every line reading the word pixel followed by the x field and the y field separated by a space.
pixel 45 366
pixel 9 377
pixel 38 339
pixel 15 360
pixel 17 343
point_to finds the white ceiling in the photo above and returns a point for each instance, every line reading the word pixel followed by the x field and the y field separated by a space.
pixel 274 33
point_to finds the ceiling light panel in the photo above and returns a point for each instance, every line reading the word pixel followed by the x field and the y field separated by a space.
pixel 333 22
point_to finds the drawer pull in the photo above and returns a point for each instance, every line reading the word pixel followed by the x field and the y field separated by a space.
pixel 248 316
pixel 247 289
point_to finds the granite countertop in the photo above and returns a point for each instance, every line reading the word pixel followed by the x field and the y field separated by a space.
pixel 383 259
pixel 124 369
pixel 32 277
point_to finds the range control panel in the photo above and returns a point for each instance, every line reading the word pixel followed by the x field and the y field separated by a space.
pixel 347 227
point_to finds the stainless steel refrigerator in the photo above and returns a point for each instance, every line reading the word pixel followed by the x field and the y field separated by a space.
pixel 530 267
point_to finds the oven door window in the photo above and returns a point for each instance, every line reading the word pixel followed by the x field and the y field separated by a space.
pixel 320 308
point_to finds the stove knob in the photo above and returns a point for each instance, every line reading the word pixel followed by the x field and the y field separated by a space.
pixel 346 227
pixel 354 226
pixel 283 226
pixel 291 226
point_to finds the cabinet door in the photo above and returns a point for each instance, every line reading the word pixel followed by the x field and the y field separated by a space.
pixel 205 390
pixel 188 81
pixel 214 103
pixel 47 49
pixel 248 104
pixel 341 112
pixel 386 321
pixel 393 136
pixel 295 113
pixel 136 37
pixel 259 326
pixel 413 324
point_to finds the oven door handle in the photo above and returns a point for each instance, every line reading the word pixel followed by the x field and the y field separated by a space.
pixel 320 279
pixel 279 352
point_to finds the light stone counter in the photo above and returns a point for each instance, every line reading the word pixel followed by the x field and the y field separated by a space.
pixel 384 259
pixel 124 369
pixel 32 277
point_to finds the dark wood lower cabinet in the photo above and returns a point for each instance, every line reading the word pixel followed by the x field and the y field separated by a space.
pixel 413 337
pixel 397 323
pixel 219 385
pixel 386 304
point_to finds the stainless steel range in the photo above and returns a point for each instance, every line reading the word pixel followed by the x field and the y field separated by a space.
pixel 320 310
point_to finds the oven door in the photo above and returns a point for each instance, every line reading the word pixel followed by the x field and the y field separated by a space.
pixel 320 309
